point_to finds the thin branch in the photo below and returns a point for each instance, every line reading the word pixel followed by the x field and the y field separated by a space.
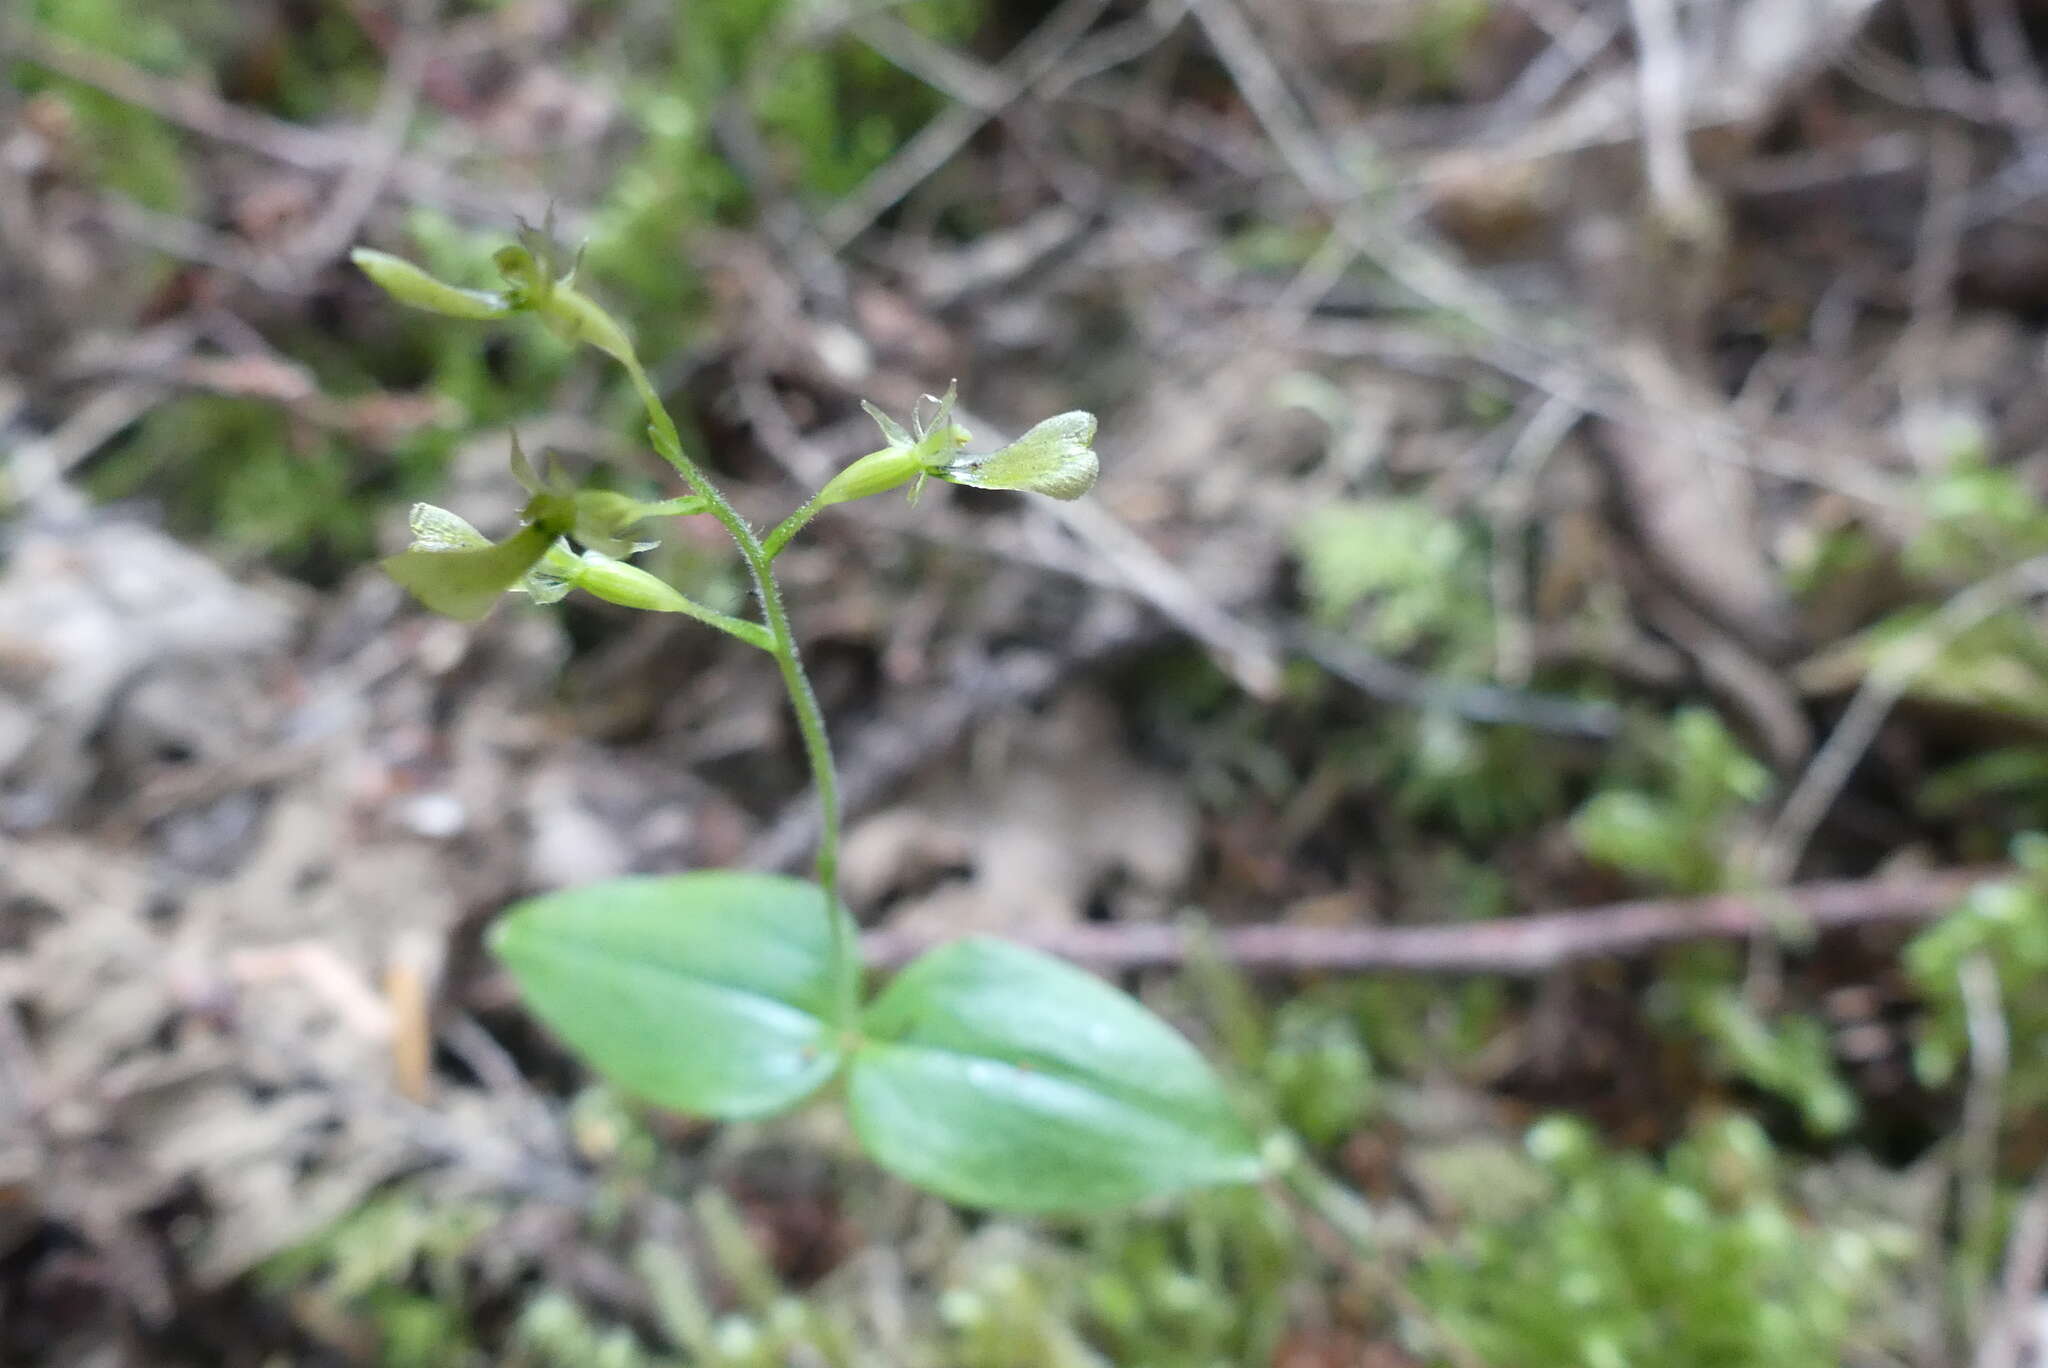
pixel 934 145
pixel 1884 684
pixel 1244 652
pixel 1661 89
pixel 2006 50
pixel 180 102
pixel 1473 700
pixel 2014 1329
pixel 375 163
pixel 42 465
pixel 1272 103
pixel 1248 655
pixel 1983 1103
pixel 183 239
pixel 1935 263
pixel 1568 54
pixel 1511 504
pixel 1521 946
pixel 197 110
pixel 1252 655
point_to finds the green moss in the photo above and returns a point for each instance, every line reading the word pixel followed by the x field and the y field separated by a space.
pixel 1701 1261
pixel 127 150
pixel 245 473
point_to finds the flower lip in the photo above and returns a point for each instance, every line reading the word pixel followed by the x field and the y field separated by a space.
pixel 1055 458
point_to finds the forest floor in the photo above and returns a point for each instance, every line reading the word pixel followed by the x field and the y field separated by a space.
pixel 1549 690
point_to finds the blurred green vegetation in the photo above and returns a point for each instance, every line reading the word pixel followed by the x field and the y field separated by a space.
pixel 270 484
pixel 129 150
pixel 1612 1260
pixel 2004 927
pixel 241 473
pixel 1679 829
pixel 1558 1250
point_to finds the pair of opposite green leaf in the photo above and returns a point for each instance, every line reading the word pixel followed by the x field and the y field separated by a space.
pixel 990 1074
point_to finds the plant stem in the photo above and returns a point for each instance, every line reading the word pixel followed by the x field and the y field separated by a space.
pixel 810 719
pixel 753 633
pixel 787 529
pixel 1378 1264
pixel 1341 1208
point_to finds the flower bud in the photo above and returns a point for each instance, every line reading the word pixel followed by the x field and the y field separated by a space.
pixel 526 274
pixel 629 586
pixel 530 267
pixel 410 285
pixel 878 472
pixel 930 443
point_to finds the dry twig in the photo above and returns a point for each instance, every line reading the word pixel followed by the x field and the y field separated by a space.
pixel 1884 684
pixel 1510 505
pixel 309 149
pixel 934 145
pixel 1984 1103
pixel 2014 1326
pixel 1521 946
pixel 1661 87
pixel 376 161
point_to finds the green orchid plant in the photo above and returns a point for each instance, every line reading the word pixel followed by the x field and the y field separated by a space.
pixel 985 1072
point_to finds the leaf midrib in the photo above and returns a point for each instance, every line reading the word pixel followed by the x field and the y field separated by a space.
pixel 1124 1097
pixel 607 956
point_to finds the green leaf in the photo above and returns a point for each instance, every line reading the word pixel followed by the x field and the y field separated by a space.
pixel 1000 1077
pixel 709 992
pixel 1053 458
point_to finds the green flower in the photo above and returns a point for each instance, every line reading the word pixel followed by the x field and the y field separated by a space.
pixel 597 518
pixel 1055 458
pixel 534 283
pixel 455 570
